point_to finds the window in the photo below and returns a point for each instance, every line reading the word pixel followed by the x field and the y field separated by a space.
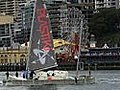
pixel 1 60
pixel 9 60
pixel 21 60
pixel 6 61
pixel 5 55
pixel 15 61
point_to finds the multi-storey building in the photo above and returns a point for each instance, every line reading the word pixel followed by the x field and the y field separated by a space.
pixel 24 21
pixel 13 59
pixel 6 22
pixel 8 8
pixel 59 17
pixel 57 9
pixel 22 13
pixel 65 20
pixel 107 4
pixel 87 8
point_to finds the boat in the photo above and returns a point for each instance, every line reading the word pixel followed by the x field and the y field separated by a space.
pixel 41 56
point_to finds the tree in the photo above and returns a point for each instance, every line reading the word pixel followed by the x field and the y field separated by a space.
pixel 105 25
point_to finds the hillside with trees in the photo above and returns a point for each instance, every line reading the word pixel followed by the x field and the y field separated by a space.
pixel 105 25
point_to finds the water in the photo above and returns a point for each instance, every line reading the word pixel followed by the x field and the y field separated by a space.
pixel 105 80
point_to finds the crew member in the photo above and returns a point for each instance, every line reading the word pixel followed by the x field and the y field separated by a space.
pixel 31 74
pixel 26 74
pixel 23 74
pixel 7 74
pixel 16 74
pixel 76 80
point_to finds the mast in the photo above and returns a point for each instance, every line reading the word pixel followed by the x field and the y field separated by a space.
pixel 79 51
pixel 31 31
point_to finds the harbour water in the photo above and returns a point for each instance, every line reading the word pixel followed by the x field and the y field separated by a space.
pixel 105 80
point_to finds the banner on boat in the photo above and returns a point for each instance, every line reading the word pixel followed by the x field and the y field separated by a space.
pixel 41 55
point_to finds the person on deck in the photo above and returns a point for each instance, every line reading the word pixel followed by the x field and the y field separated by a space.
pixel 7 74
pixel 26 74
pixel 16 74
pixel 23 74
pixel 31 74
pixel 76 80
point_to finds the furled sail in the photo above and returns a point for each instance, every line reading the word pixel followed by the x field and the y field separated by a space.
pixel 41 53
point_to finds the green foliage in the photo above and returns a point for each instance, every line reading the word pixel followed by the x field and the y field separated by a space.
pixel 105 25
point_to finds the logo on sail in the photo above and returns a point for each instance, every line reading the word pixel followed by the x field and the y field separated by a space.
pixel 41 54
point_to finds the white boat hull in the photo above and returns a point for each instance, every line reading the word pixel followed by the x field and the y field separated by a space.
pixel 53 75
pixel 81 80
pixel 42 78
pixel 16 78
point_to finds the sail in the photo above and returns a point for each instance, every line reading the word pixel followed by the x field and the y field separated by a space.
pixel 41 53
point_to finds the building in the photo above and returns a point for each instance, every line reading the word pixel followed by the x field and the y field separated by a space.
pixel 72 1
pixel 58 12
pixel 22 13
pixel 99 4
pixel 18 30
pixel 13 59
pixel 16 58
pixel 24 22
pixel 102 58
pixel 6 23
pixel 8 8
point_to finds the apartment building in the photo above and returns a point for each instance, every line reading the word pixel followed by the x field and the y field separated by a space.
pixel 99 4
pixel 22 13
pixel 8 8
pixel 6 22
pixel 24 21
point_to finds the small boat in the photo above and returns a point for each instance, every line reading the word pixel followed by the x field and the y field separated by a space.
pixel 41 55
